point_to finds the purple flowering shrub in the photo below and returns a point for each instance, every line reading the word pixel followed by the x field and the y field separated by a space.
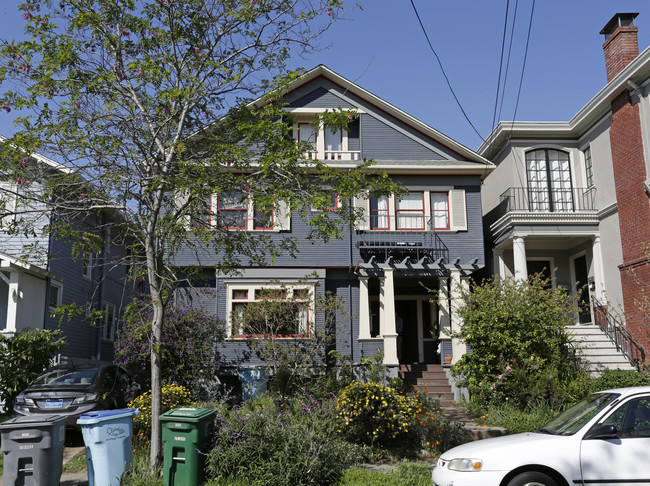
pixel 189 337
pixel 287 442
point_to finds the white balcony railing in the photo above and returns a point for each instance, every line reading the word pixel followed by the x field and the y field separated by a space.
pixel 334 155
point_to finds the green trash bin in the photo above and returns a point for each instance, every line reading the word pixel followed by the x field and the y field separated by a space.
pixel 185 432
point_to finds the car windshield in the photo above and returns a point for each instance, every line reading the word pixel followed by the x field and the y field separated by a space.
pixel 573 419
pixel 66 378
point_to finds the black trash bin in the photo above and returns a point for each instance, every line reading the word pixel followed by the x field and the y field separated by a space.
pixel 33 449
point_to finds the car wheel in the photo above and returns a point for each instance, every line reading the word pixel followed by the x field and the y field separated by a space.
pixel 532 478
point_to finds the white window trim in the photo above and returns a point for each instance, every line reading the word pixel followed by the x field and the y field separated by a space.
pixel 87 272
pixel 59 297
pixel 250 288
pixel 457 210
pixel 281 217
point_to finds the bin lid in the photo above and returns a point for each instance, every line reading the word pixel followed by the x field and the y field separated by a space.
pixel 103 415
pixel 36 420
pixel 186 414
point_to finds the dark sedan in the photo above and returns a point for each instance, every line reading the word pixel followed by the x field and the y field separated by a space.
pixel 73 390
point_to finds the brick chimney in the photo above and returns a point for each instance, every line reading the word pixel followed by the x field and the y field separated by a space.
pixel 621 45
pixel 621 48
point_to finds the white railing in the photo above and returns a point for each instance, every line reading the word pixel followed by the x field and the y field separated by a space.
pixel 333 155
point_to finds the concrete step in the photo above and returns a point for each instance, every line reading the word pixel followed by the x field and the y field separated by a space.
pixel 475 430
pixel 597 349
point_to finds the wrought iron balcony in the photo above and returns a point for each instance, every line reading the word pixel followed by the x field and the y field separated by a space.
pixel 412 239
pixel 548 200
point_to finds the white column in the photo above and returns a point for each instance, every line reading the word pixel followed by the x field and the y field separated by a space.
pixel 13 302
pixel 364 309
pixel 519 251
pixel 458 286
pixel 499 263
pixel 387 317
pixel 599 276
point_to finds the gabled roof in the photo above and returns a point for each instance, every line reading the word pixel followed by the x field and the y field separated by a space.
pixel 464 153
pixel 632 78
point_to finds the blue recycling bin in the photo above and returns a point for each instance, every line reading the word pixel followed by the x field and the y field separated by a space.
pixel 107 436
pixel 253 381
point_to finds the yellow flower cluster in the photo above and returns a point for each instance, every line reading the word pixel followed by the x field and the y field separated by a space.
pixel 173 396
pixel 374 412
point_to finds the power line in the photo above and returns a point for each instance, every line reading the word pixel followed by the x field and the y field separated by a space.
pixel 503 44
pixel 505 80
pixel 523 67
pixel 443 72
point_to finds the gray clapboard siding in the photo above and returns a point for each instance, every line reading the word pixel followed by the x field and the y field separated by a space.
pixel 320 98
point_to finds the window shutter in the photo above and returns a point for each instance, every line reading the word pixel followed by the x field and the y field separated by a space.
pixel 283 212
pixel 362 203
pixel 457 210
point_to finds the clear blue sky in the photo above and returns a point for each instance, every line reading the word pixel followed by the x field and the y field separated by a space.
pixel 383 49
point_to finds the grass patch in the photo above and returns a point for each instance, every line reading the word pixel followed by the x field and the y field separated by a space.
pixel 515 420
pixel 76 464
pixel 406 473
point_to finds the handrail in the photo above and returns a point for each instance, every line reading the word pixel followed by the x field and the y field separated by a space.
pixel 614 328
pixel 555 200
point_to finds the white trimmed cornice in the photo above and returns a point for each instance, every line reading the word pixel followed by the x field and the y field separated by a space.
pixel 638 72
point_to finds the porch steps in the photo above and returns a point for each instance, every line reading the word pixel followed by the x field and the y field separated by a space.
pixel 598 351
pixel 430 379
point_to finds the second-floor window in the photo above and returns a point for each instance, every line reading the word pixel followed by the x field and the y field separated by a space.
pixel 87 266
pixel 379 213
pixel 440 210
pixel 409 211
pixel 232 211
pixel 109 322
pixel 549 180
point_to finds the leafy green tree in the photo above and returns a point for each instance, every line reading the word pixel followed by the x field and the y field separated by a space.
pixel 132 98
pixel 520 347
pixel 23 357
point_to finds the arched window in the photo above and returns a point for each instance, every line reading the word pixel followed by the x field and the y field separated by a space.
pixel 549 180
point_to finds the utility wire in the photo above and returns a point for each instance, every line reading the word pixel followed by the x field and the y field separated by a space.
pixel 505 79
pixel 523 67
pixel 503 46
pixel 443 72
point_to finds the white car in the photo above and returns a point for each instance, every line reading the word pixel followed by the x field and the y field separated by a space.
pixel 603 440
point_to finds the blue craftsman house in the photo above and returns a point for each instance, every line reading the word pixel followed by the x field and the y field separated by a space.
pixel 40 272
pixel 386 268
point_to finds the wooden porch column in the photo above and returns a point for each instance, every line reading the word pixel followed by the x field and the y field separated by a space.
pixel 459 285
pixel 364 309
pixel 387 317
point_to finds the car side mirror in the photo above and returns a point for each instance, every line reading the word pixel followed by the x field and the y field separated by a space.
pixel 602 431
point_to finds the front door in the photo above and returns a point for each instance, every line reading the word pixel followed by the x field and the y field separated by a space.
pixel 406 311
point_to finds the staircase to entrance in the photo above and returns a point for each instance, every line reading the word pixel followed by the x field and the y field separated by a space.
pixel 429 379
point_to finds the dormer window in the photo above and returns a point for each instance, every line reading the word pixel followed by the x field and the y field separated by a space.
pixel 327 145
